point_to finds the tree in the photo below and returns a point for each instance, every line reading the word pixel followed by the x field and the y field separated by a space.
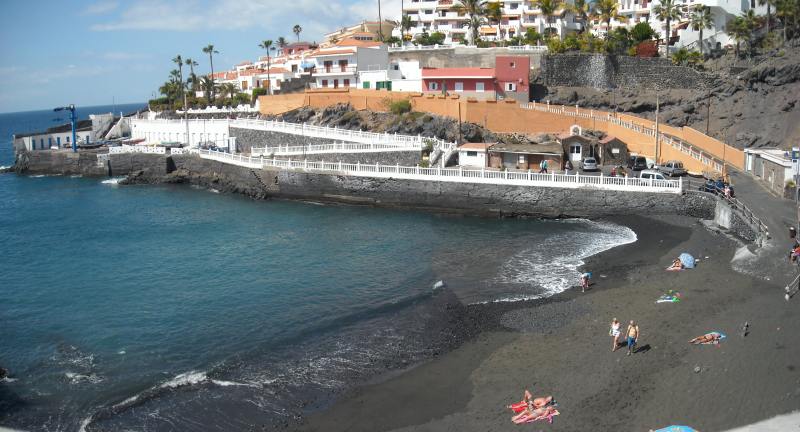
pixel 741 28
pixel 494 12
pixel 606 11
pixel 267 45
pixel 405 25
pixel 582 9
pixel 297 30
pixel 642 32
pixel 207 85
pixel 209 49
pixel 667 10
pixel 230 89
pixel 769 4
pixel 475 9
pixel 282 42
pixel 380 23
pixel 699 21
pixel 192 77
pixel 788 11
pixel 178 60
pixel 532 37
pixel 549 9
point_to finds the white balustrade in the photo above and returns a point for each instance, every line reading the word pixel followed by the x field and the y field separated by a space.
pixel 510 178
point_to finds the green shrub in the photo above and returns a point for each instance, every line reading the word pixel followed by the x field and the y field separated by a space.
pixel 258 92
pixel 400 106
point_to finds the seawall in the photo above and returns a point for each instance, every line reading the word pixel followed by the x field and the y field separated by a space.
pixel 447 197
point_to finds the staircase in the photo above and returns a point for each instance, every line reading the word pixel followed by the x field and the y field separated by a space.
pixel 261 182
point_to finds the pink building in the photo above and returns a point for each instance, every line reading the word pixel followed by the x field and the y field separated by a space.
pixel 480 83
pixel 513 76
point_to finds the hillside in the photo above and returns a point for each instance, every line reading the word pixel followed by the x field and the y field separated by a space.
pixel 759 106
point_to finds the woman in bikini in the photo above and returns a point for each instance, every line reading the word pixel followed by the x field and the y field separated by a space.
pixel 614 333
pixel 706 338
pixel 530 403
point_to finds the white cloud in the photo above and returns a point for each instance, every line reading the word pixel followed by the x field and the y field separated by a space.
pixel 99 8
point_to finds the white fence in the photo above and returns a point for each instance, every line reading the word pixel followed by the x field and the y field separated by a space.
pixel 214 110
pixel 509 178
pixel 137 149
pixel 341 147
pixel 524 48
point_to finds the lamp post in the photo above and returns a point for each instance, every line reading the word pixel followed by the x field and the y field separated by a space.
pixel 657 133
pixel 72 120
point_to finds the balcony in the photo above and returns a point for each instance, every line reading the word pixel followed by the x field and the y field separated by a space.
pixel 336 69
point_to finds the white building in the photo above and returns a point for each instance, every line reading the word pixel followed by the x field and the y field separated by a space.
pixel 473 155
pixel 429 16
pixel 339 66
pixel 402 75
pixel 682 35
pixel 99 127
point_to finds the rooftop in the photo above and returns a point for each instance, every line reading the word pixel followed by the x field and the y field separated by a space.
pixel 466 72
pixel 475 146
pixel 550 147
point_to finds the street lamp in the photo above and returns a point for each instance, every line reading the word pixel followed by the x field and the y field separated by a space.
pixel 72 119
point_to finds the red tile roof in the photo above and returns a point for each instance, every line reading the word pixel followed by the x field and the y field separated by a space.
pixel 351 42
pixel 467 72
pixel 332 52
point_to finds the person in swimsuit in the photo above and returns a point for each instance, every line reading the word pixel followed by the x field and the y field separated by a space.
pixel 585 281
pixel 614 333
pixel 633 336
pixel 531 403
pixel 530 414
pixel 676 265
pixel 706 338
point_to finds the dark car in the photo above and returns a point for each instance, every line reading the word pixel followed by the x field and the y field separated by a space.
pixel 717 187
pixel 637 163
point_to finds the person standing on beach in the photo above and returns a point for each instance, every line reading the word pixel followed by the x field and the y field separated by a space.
pixel 633 336
pixel 585 281
pixel 614 333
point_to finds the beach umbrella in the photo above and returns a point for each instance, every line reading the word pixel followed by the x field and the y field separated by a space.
pixel 676 429
pixel 687 260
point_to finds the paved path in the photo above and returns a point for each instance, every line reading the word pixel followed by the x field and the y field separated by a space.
pixel 783 423
pixel 769 262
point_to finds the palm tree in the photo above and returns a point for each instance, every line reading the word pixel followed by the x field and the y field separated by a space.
pixel 267 45
pixel 739 28
pixel 667 10
pixel 192 77
pixel 475 9
pixel 178 60
pixel 282 42
pixel 380 23
pixel 769 4
pixel 207 84
pixel 699 21
pixel 297 30
pixel 582 9
pixel 606 11
pixel 787 10
pixel 494 12
pixel 405 26
pixel 211 51
pixel 230 89
pixel 750 23
pixel 549 9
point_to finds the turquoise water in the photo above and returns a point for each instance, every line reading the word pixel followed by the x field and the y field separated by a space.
pixel 169 307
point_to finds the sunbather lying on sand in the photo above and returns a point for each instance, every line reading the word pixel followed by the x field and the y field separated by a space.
pixel 708 338
pixel 528 415
pixel 531 403
pixel 676 265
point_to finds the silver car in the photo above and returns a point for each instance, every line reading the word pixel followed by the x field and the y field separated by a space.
pixel 673 168
pixel 651 175
pixel 589 164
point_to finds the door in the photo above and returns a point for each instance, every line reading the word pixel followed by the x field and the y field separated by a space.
pixel 336 83
pixel 575 152
pixel 459 87
pixel 479 87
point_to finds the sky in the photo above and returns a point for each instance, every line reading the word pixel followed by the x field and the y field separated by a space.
pixel 54 53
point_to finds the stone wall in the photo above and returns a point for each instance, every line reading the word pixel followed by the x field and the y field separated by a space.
pixel 85 163
pixel 462 57
pixel 249 138
pixel 603 72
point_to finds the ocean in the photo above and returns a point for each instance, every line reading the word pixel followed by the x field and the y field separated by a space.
pixel 176 308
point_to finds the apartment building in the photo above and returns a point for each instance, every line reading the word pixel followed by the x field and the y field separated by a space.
pixel 365 31
pixel 429 16
pixel 339 65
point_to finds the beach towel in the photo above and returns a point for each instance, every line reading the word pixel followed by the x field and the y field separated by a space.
pixel 533 418
pixel 518 407
pixel 670 297
pixel 676 429
pixel 687 260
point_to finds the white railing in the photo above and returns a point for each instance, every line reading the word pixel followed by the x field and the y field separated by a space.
pixel 213 109
pixel 339 147
pixel 137 149
pixel 420 48
pixel 510 178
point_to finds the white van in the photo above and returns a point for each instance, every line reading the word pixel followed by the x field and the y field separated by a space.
pixel 651 174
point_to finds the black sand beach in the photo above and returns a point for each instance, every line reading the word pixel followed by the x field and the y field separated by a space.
pixel 561 347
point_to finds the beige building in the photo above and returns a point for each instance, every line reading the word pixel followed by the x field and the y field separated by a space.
pixel 364 31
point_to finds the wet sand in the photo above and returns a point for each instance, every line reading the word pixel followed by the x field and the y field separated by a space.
pixel 562 348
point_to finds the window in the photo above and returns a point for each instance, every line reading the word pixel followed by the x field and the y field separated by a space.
pixel 324 83
pixel 522 159
pixel 67 139
pixel 433 86
pixel 511 87
pixel 478 87
pixel 49 142
pixel 347 82
pixel 395 66
pixel 58 142
pixel 472 154
pixel 513 65
pixel 513 6
pixel 336 83
pixel 459 87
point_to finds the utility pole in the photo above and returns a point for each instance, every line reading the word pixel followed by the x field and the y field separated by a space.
pixel 657 133
pixel 72 119
pixel 708 110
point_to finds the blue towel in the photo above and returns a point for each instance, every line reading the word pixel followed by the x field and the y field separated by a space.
pixel 687 260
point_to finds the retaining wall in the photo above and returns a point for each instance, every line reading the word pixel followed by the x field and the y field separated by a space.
pixel 462 57
pixel 249 138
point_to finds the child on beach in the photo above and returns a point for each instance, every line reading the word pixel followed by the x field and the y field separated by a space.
pixel 633 336
pixel 614 333
pixel 585 281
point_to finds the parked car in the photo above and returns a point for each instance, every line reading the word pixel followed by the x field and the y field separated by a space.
pixel 673 168
pixel 717 187
pixel 637 163
pixel 651 175
pixel 589 164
